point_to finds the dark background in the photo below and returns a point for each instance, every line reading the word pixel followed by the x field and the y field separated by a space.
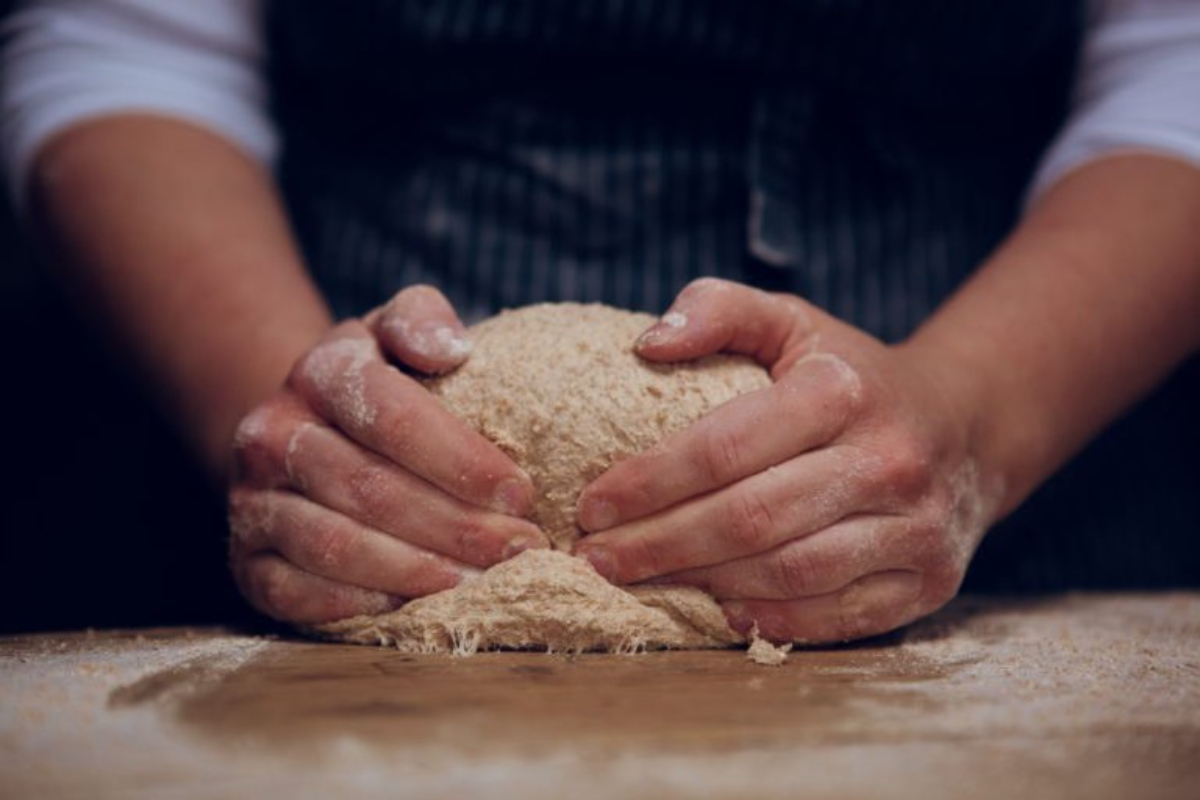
pixel 103 520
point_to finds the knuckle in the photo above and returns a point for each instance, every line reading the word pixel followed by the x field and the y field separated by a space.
pixel 721 457
pixel 644 558
pixel 471 539
pixel 853 620
pixel 941 579
pixel 846 389
pixel 404 425
pixel 478 469
pixel 906 467
pixel 254 430
pixel 367 487
pixel 409 305
pixel 251 518
pixel 242 516
pixel 941 590
pixel 331 548
pixel 792 304
pixel 705 292
pixel 850 624
pixel 831 383
pixel 300 377
pixel 238 502
pixel 749 522
pixel 706 284
pixel 335 370
pixel 925 539
pixel 423 292
pixel 635 481
pixel 274 588
pixel 797 573
pixel 258 444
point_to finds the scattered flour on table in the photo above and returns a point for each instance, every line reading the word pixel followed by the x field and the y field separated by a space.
pixel 558 388
pixel 1092 696
pixel 57 698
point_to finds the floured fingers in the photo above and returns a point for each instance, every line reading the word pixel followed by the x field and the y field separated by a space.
pixel 347 382
pixel 320 543
pixel 873 604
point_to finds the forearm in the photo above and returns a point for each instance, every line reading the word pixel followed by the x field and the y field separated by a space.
pixel 180 246
pixel 1090 303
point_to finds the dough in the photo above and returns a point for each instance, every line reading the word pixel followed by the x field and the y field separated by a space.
pixel 544 600
pixel 558 388
pixel 763 652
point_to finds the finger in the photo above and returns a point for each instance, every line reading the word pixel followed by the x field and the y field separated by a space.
pixel 792 500
pixel 324 543
pixel 260 443
pixel 808 407
pixel 712 315
pixel 874 604
pixel 335 472
pixel 420 328
pixel 814 565
pixel 346 381
pixel 285 592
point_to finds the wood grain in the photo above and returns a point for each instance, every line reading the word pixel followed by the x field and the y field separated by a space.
pixel 1095 696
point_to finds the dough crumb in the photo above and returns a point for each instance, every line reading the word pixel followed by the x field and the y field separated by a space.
pixel 763 652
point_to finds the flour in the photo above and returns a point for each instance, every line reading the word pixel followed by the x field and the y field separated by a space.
pixel 434 342
pixel 559 389
pixel 338 368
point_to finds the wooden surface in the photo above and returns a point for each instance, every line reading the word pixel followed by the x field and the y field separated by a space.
pixel 1085 696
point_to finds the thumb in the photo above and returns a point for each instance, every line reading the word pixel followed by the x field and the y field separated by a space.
pixel 712 316
pixel 419 328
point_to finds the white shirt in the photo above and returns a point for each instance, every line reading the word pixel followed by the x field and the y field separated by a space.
pixel 1138 86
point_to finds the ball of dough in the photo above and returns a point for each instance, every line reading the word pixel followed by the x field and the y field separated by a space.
pixel 559 389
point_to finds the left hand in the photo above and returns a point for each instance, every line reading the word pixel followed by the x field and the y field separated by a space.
pixel 842 501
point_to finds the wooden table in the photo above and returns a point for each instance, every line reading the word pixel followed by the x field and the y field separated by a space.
pixel 1093 696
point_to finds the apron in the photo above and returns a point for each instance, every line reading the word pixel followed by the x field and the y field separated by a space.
pixel 864 154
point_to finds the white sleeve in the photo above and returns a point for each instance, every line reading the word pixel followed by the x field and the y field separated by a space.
pixel 1138 87
pixel 70 60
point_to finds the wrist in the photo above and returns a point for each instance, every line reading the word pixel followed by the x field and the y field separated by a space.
pixel 977 420
pixel 1080 312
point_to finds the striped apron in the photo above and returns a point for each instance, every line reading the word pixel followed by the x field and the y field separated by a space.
pixel 864 154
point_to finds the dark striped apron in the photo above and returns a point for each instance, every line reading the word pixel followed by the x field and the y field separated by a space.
pixel 865 155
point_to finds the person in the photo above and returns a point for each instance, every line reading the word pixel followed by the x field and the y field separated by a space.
pixel 954 283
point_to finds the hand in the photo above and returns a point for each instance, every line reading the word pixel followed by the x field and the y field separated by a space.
pixel 840 502
pixel 355 489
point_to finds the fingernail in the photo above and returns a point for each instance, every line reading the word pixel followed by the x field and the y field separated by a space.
pixel 598 515
pixel 466 572
pixel 520 544
pixel 432 340
pixel 601 560
pixel 739 619
pixel 511 497
pixel 673 320
pixel 453 344
pixel 667 327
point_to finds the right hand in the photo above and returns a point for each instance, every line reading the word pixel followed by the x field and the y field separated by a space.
pixel 355 490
